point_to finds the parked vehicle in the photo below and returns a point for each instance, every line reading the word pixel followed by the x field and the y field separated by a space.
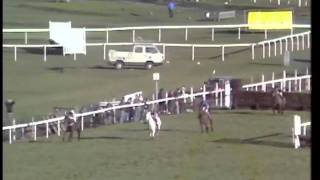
pixel 147 55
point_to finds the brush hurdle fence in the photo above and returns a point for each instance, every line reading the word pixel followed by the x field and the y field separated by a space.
pixel 217 93
pixel 164 45
pixel 287 84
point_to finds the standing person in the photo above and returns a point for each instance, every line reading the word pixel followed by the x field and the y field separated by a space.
pixel 171 7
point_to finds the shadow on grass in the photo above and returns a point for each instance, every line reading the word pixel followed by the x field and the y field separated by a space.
pixel 303 60
pixel 162 130
pixel 113 68
pixel 230 53
pixel 49 51
pixel 255 141
pixel 102 137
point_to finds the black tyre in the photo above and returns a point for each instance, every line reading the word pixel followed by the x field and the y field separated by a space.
pixel 119 65
pixel 149 65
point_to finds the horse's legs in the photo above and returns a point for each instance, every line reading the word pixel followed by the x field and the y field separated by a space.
pixel 79 132
pixel 70 135
pixel 211 125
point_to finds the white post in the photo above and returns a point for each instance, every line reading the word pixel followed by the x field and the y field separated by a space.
pixel 107 36
pixel 239 30
pixel 47 130
pixel 299 3
pixel 159 35
pixel 14 130
pixel 269 48
pixel 308 80
pixel 265 34
pixel 192 53
pixel 263 86
pixel 133 35
pixel 298 44
pixel 286 44
pixel 299 84
pixel 104 51
pixel 204 90
pixel 280 47
pixel 252 51
pixel 10 136
pixel 222 53
pixel 216 94
pixel 295 80
pixel 22 132
pixel 58 128
pixel 221 99
pixel 306 3
pixel 297 130
pixel 15 53
pixel 254 1
pixel 289 85
pixel 272 79
pixel 191 94
pixel 164 51
pixel 167 101
pixel 74 56
pixel 186 34
pixel 153 98
pixel 284 80
pixel 302 42
pixel 279 2
pixel 45 53
pixel 275 48
pixel 26 38
pixel 263 51
pixel 212 34
pixel 82 119
pixel 184 96
pixel 35 133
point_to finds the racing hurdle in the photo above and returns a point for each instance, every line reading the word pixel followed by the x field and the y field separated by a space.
pixel 296 130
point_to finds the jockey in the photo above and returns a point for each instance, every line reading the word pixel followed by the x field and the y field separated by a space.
pixel 205 105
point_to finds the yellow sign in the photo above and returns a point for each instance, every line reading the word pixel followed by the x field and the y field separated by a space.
pixel 270 20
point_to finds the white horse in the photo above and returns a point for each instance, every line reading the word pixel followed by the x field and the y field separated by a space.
pixel 154 123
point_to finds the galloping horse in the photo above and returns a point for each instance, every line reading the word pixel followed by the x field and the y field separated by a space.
pixel 71 125
pixel 279 101
pixel 205 119
pixel 154 123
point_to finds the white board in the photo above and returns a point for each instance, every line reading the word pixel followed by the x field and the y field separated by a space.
pixel 75 42
pixel 58 31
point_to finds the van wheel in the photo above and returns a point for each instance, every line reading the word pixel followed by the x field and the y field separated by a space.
pixel 119 65
pixel 149 65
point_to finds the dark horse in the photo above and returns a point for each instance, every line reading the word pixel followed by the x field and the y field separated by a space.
pixel 279 101
pixel 71 125
pixel 205 120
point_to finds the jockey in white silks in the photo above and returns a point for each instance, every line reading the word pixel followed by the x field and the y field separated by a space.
pixel 154 123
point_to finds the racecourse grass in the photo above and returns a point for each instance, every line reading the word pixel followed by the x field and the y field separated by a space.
pixel 245 145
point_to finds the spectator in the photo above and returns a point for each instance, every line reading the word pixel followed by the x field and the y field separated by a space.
pixel 171 7
pixel 123 112
pixel 138 109
pixel 109 115
pixel 162 105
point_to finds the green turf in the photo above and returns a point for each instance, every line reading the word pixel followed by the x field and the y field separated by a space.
pixel 38 86
pixel 245 145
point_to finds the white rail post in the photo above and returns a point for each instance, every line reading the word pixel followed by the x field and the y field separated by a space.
pixel 272 79
pixel 263 51
pixel 159 35
pixel 164 51
pixel 286 44
pixel 133 35
pixel 186 34
pixel 308 40
pixel 184 95
pixel 279 2
pixel 82 119
pixel 265 34
pixel 47 130
pixel 295 80
pixel 299 3
pixel 284 80
pixel 239 31
pixel 302 42
pixel 192 52
pixel 107 36
pixel 35 133
pixel 281 47
pixel 104 51
pixel 296 130
pixel 221 99
pixel 222 53
pixel 252 51
pixel 153 98
pixel 204 91
pixel 292 43
pixel 300 88
pixel 191 94
pixel 308 81
pixel 10 136
pixel 212 34
pixel 15 53
pixel 59 128
pixel 298 44
pixel 263 86
pixel 269 48
pixel 26 38
pixel 14 130
pixel 216 93
pixel 22 132
pixel 167 109
pixel 44 53
pixel 275 48
pixel 74 56
pixel 289 85
pixel 306 3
